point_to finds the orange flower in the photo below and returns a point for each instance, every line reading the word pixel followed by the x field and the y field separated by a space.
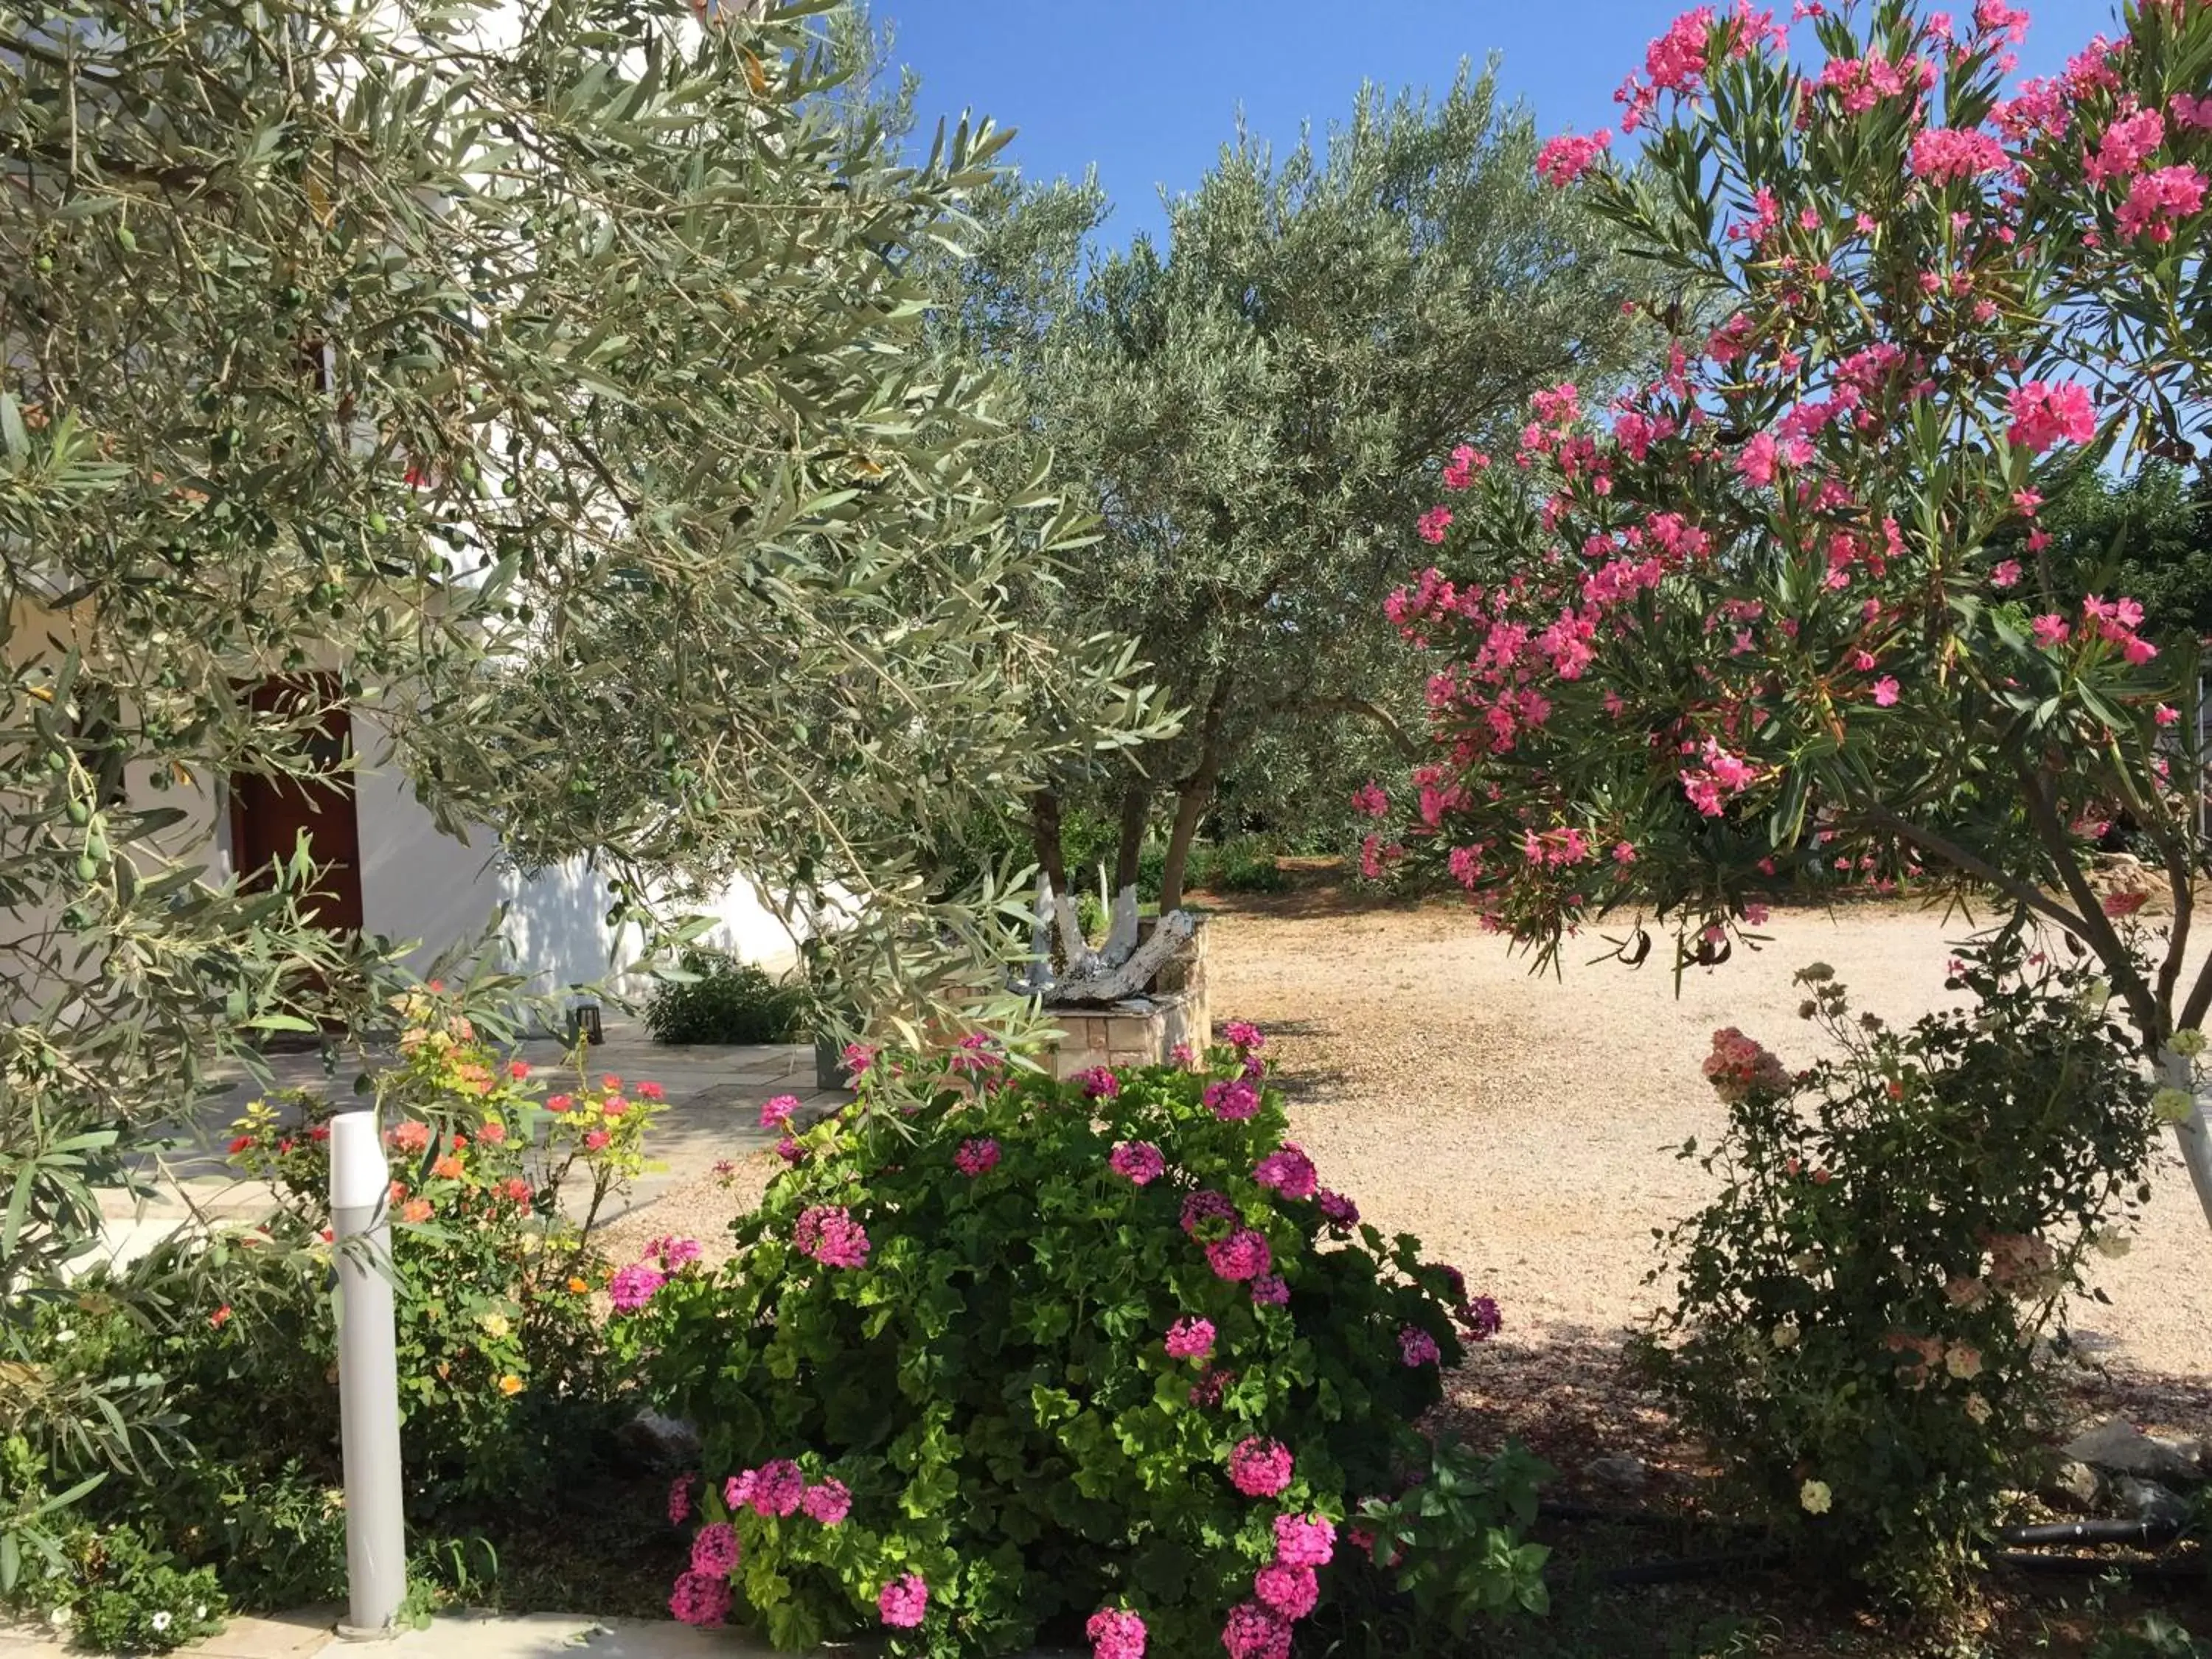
pixel 415 1210
pixel 448 1167
pixel 577 1287
pixel 510 1385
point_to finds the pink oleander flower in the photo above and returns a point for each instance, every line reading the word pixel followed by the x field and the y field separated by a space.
pixel 1271 1291
pixel 1231 1101
pixel 633 1286
pixel 1255 1632
pixel 700 1599
pixel 976 1054
pixel 1417 1347
pixel 1565 158
pixel 858 1059
pixel 1304 1541
pixel 776 1113
pixel 904 1603
pixel 1433 524
pixel 1243 1255
pixel 829 1234
pixel 2165 714
pixel 2005 573
pixel 1116 1633
pixel 977 1157
pixel 1288 1591
pixel 679 1498
pixel 1459 472
pixel 828 1502
pixel 1289 1171
pixel 2157 199
pixel 1244 1036
pixel 2044 412
pixel 1339 1210
pixel 1369 802
pixel 1260 1468
pixel 1099 1082
pixel 2051 631
pixel 714 1549
pixel 1885 691
pixel 1139 1161
pixel 1190 1338
pixel 1941 153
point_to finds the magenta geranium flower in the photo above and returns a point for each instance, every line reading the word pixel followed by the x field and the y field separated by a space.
pixel 679 1499
pixel 1260 1468
pixel 977 1157
pixel 1305 1540
pixel 1138 1160
pixel 1190 1339
pixel 1116 1633
pixel 1232 1101
pixel 1288 1591
pixel 1203 1206
pixel 828 1502
pixel 700 1599
pixel 1243 1255
pixel 1244 1036
pixel 714 1549
pixel 1417 1347
pixel 633 1286
pixel 903 1602
pixel 1099 1082
pixel 829 1234
pixel 1289 1171
pixel 779 1487
pixel 776 1113
pixel 1255 1632
pixel 1271 1291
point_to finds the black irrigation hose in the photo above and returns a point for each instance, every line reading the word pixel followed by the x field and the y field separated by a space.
pixel 1570 1509
pixel 2096 1566
pixel 2143 1535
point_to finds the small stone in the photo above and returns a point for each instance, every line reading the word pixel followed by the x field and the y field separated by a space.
pixel 2146 1500
pixel 2071 1485
pixel 1620 1470
pixel 2117 1447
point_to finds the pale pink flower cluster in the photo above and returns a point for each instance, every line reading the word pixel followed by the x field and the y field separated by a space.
pixel 2158 198
pixel 1737 1066
pixel 2124 146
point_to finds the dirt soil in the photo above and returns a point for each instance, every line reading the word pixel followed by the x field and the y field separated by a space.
pixel 1526 1129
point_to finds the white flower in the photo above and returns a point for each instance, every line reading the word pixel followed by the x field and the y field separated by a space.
pixel 1785 1335
pixel 2188 1044
pixel 1978 1408
pixel 1964 1361
pixel 160 1620
pixel 2174 1105
pixel 1815 1497
pixel 2094 995
pixel 200 1612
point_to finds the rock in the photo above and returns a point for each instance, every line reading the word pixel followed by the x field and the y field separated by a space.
pixel 2117 1447
pixel 2146 1500
pixel 664 1441
pixel 2070 1485
pixel 1620 1471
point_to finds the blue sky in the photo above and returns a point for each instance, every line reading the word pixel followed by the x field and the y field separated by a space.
pixel 1149 89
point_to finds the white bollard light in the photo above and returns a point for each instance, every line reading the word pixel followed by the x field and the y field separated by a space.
pixel 369 1373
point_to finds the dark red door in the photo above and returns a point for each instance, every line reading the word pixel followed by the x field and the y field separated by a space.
pixel 269 815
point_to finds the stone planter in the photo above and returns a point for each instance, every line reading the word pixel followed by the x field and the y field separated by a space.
pixel 1140 1031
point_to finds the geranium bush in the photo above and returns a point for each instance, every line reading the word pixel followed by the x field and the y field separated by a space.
pixel 1764 623
pixel 1028 1355
pixel 1868 1310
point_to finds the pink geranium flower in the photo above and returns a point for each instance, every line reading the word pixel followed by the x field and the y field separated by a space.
pixel 1260 1468
pixel 1139 1161
pixel 1243 1255
pixel 1190 1339
pixel 904 1603
pixel 1116 1633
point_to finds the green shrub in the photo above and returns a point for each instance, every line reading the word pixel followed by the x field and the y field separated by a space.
pixel 976 1326
pixel 728 1001
pixel 1246 863
pixel 138 1600
pixel 505 1391
pixel 1860 1310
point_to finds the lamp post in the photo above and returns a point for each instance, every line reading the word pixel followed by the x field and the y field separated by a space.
pixel 368 1373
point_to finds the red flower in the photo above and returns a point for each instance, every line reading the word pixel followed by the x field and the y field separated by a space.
pixel 241 1144
pixel 221 1316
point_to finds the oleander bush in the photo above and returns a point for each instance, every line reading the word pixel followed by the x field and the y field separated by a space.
pixel 1868 1310
pixel 1028 1359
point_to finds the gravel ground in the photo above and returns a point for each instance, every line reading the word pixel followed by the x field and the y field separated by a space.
pixel 1525 1128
